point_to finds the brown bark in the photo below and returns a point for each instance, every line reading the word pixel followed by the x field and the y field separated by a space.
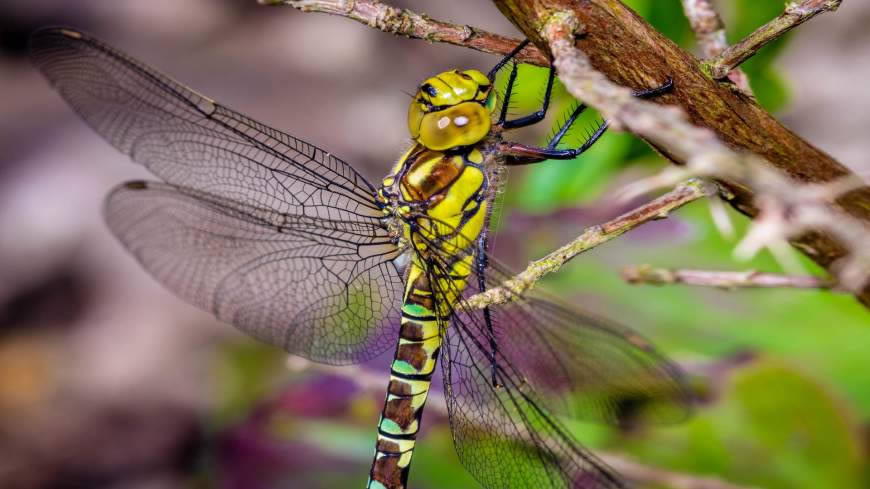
pixel 629 51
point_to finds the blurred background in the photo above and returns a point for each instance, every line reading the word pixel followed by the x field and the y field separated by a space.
pixel 108 381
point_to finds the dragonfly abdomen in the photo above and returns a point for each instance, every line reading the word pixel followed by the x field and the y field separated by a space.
pixel 410 379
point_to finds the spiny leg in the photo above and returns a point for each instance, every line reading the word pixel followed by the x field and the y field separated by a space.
pixel 512 78
pixel 480 265
pixel 531 118
pixel 535 117
pixel 509 56
pixel 566 124
pixel 507 95
pixel 521 154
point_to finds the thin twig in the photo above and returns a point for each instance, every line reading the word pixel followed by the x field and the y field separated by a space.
pixel 405 22
pixel 707 25
pixel 794 15
pixel 710 33
pixel 788 208
pixel 590 238
pixel 646 274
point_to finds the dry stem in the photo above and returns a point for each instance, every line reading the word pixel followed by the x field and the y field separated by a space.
pixel 710 33
pixel 645 274
pixel 405 22
pixel 794 15
pixel 590 238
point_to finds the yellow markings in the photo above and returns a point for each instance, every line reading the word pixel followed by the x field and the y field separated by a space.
pixel 405 459
pixel 475 156
pixel 449 210
pixel 417 386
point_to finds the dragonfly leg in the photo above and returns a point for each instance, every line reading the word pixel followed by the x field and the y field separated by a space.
pixel 507 95
pixel 535 117
pixel 565 126
pixel 498 66
pixel 521 154
pixel 481 264
pixel 511 79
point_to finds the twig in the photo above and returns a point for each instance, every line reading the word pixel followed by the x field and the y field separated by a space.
pixel 405 22
pixel 710 33
pixel 645 274
pixel 785 211
pixel 794 15
pixel 707 25
pixel 590 238
pixel 658 477
pixel 630 469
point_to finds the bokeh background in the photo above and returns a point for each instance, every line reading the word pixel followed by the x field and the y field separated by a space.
pixel 108 381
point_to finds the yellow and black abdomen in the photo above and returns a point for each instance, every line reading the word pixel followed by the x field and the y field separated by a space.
pixel 442 203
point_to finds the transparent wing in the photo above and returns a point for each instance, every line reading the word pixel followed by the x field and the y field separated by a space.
pixel 584 365
pixel 265 230
pixel 188 140
pixel 504 385
pixel 504 435
pixel 327 290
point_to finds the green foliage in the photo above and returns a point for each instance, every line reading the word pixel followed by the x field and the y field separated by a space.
pixel 773 426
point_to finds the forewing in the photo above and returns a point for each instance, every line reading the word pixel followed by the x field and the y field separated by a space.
pixel 189 140
pixel 326 290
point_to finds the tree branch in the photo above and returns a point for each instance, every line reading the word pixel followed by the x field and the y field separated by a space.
pixel 794 15
pixel 592 237
pixel 615 44
pixel 645 274
pixel 710 33
pixel 405 22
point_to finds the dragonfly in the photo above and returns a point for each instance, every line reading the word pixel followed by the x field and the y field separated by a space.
pixel 293 246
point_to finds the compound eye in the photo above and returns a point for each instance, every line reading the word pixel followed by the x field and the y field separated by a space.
pixel 429 89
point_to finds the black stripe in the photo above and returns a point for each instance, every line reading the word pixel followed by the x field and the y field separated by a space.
pixel 410 436
pixel 395 454
pixel 418 318
pixel 402 376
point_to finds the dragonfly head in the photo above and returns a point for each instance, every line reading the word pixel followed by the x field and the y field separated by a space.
pixel 451 109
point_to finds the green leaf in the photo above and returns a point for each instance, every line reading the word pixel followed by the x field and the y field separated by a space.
pixel 810 435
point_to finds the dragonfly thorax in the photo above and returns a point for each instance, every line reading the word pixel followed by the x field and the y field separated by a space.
pixel 428 187
pixel 451 110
